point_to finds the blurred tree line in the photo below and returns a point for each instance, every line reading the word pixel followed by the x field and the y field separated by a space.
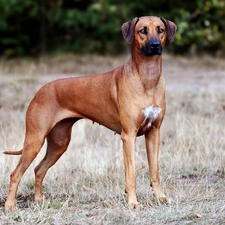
pixel 33 27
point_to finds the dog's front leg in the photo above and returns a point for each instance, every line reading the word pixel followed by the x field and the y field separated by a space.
pixel 152 139
pixel 129 164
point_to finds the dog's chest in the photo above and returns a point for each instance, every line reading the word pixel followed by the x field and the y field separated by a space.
pixel 149 115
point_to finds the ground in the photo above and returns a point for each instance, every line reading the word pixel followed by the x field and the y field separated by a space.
pixel 86 186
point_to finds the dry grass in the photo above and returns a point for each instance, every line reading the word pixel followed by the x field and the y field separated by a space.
pixel 86 186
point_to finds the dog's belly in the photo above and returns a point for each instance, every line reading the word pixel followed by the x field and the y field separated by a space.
pixel 109 121
pixel 116 128
pixel 112 122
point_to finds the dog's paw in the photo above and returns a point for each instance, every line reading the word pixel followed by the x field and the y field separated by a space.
pixel 160 196
pixel 166 200
pixel 135 205
pixel 10 207
pixel 40 198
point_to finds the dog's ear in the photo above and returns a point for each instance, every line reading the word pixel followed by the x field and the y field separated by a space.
pixel 128 30
pixel 170 28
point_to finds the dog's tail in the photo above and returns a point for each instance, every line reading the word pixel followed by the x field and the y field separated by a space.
pixel 13 152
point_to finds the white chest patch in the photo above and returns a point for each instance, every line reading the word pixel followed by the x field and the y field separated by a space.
pixel 152 114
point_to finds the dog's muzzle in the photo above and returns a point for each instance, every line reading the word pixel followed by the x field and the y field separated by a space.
pixel 153 47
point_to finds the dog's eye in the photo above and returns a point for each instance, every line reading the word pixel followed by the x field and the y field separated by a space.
pixel 160 30
pixel 143 30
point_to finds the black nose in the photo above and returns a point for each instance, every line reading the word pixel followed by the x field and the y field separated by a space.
pixel 152 47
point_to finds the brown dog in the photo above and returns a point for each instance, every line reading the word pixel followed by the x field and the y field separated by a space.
pixel 129 100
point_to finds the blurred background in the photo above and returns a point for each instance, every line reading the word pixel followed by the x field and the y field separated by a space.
pixel 40 27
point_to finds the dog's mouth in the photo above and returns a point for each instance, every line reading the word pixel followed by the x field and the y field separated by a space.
pixel 153 47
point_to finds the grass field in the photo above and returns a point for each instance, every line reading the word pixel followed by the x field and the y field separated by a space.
pixel 86 186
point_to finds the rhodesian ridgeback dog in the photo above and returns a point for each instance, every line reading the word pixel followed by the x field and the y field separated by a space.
pixel 129 100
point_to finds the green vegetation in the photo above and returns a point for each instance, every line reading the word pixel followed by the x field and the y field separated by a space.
pixel 30 27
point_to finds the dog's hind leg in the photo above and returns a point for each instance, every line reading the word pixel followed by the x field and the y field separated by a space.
pixel 30 151
pixel 57 142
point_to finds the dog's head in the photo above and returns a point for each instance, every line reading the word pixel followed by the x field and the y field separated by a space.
pixel 149 33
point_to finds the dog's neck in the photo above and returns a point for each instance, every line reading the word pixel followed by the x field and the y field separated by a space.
pixel 148 68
